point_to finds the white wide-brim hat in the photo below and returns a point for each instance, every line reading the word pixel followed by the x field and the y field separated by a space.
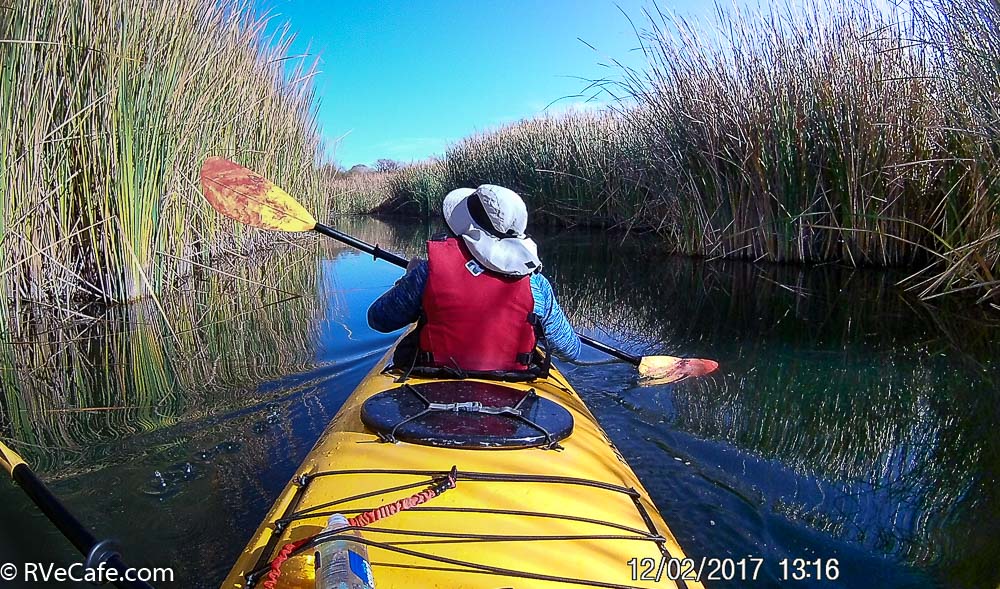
pixel 491 221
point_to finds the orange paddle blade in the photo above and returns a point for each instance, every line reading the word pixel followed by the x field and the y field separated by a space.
pixel 668 369
pixel 250 198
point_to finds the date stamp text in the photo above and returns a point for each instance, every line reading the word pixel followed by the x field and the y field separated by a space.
pixel 748 568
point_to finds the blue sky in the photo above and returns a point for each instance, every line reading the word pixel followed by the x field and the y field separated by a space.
pixel 401 80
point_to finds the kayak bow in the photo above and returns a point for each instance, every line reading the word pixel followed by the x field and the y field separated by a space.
pixel 554 506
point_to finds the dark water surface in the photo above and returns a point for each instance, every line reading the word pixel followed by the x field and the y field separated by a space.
pixel 848 421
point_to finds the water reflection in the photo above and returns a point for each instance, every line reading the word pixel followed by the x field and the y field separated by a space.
pixel 847 419
pixel 147 367
pixel 851 408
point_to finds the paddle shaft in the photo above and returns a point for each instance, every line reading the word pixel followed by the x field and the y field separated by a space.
pixel 70 527
pixel 400 261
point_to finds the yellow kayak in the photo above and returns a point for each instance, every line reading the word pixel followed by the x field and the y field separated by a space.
pixel 542 498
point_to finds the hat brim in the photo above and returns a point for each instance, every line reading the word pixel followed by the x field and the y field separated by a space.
pixel 512 256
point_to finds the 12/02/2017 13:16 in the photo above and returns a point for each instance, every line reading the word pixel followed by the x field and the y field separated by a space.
pixel 730 569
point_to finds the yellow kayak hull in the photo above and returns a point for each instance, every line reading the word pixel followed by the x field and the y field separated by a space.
pixel 511 521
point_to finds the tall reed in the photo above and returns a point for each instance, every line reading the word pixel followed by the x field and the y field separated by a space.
pixel 799 133
pixel 966 40
pixel 107 110
pixel 811 134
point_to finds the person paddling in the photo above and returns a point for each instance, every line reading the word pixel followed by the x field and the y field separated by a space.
pixel 479 300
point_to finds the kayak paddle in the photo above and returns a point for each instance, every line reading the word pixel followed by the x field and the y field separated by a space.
pixel 251 199
pixel 99 554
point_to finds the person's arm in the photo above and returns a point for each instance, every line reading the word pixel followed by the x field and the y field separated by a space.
pixel 400 305
pixel 559 334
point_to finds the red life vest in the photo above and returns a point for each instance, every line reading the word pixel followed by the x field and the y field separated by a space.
pixel 475 319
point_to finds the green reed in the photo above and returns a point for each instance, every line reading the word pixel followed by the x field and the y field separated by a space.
pixel 104 128
pixel 570 168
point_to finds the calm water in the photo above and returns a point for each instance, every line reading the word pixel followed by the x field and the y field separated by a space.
pixel 848 421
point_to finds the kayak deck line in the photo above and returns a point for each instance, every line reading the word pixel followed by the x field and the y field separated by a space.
pixel 324 510
pixel 348 443
pixel 524 513
pixel 473 568
pixel 494 477
pixel 517 517
pixel 279 526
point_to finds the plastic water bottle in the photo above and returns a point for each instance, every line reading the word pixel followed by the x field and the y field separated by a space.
pixel 342 564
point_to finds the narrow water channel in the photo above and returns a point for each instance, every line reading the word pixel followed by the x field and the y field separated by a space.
pixel 848 420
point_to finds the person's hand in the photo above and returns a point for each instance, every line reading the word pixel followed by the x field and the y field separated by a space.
pixel 413 263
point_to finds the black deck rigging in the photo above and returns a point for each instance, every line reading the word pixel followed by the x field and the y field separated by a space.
pixel 467 414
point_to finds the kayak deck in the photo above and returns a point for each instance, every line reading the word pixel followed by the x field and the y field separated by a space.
pixel 532 517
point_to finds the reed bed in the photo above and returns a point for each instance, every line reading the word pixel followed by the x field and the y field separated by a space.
pixel 359 193
pixel 826 133
pixel 573 167
pixel 966 40
pixel 816 133
pixel 104 128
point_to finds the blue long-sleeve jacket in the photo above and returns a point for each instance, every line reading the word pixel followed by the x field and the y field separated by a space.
pixel 400 306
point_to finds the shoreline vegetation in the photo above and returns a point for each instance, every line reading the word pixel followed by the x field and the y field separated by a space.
pixel 105 127
pixel 813 134
pixel 826 133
